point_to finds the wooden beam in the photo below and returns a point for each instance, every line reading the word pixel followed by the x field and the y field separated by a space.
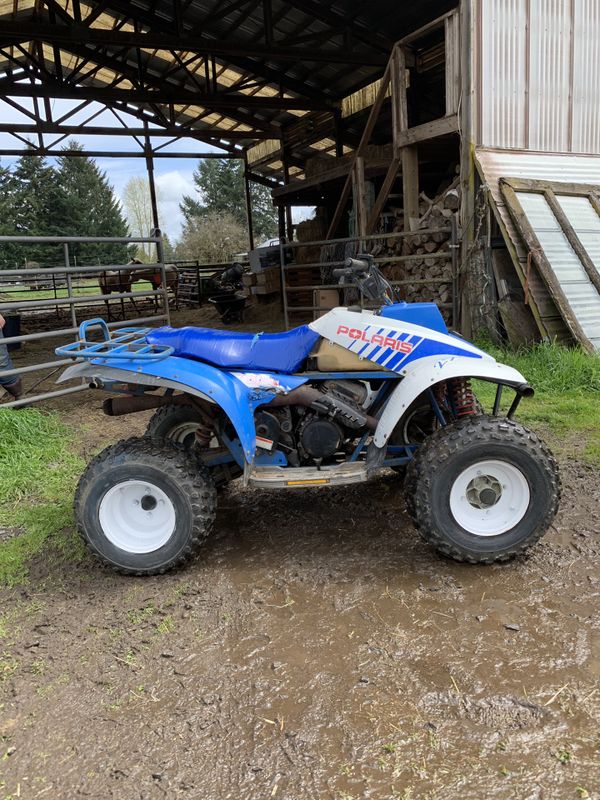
pixel 452 66
pixel 360 196
pixel 410 185
pixel 399 129
pixel 384 192
pixel 364 141
pixel 574 240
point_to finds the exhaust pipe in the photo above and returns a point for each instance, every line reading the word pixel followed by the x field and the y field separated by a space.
pixel 129 404
pixel 306 396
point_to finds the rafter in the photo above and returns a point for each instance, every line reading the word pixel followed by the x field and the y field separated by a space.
pixel 59 34
pixel 170 95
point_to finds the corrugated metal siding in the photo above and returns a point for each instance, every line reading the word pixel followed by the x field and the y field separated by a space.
pixel 586 73
pixel 496 164
pixel 503 101
pixel 577 287
pixel 537 68
pixel 549 75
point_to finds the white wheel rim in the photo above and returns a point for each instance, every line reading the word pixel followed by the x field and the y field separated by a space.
pixel 489 498
pixel 137 516
pixel 179 433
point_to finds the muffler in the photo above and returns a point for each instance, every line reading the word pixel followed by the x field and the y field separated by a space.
pixel 129 404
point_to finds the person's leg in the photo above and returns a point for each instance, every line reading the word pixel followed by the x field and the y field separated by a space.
pixel 12 383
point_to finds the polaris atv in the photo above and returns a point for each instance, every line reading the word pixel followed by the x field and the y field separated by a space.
pixel 334 402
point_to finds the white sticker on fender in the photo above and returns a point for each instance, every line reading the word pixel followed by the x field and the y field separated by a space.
pixel 258 380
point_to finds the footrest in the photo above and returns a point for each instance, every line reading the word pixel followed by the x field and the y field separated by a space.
pixel 306 477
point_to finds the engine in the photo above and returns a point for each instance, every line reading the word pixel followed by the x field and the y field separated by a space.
pixel 319 422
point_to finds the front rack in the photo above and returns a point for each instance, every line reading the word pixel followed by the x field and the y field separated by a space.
pixel 125 343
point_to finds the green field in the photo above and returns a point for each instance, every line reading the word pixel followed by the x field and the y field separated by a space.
pixel 79 289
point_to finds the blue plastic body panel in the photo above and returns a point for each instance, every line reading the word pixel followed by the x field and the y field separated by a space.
pixel 237 400
pixel 427 315
pixel 266 352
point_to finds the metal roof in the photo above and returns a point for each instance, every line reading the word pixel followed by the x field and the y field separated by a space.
pixel 231 73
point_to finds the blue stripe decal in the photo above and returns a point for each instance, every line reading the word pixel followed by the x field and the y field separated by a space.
pixel 364 347
pixel 404 337
pixel 397 362
pixel 377 346
pixel 356 341
pixel 390 352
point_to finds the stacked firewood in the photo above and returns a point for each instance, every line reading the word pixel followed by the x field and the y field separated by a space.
pixel 427 274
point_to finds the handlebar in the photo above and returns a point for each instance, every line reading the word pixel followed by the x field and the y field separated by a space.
pixel 352 266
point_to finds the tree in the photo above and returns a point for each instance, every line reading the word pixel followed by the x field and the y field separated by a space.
pixel 87 206
pixel 31 209
pixel 220 189
pixel 138 208
pixel 212 238
pixel 9 253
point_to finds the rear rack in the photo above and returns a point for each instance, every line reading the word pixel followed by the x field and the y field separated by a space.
pixel 129 344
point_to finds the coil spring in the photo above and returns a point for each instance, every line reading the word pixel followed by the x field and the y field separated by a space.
pixel 204 434
pixel 461 397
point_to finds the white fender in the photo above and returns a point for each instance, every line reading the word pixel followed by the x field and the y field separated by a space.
pixel 426 372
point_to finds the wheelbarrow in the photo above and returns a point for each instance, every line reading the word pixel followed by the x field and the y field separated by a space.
pixel 230 305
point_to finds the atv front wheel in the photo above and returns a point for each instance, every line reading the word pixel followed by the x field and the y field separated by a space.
pixel 143 507
pixel 483 489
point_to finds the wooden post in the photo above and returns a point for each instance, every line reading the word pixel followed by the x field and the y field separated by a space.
pixel 288 208
pixel 364 141
pixel 360 200
pixel 248 205
pixel 397 67
pixel 410 184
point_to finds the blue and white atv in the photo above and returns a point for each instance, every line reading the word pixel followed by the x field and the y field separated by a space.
pixel 331 403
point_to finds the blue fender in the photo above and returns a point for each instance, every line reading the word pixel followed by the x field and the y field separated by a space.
pixel 237 393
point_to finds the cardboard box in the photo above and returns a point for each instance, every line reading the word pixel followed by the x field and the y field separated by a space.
pixel 325 300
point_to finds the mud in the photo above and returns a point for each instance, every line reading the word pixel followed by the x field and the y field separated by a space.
pixel 317 649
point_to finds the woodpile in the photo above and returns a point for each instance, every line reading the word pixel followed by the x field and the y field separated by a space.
pixel 425 271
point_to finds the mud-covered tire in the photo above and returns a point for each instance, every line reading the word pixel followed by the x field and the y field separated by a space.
pixel 176 422
pixel 519 477
pixel 144 507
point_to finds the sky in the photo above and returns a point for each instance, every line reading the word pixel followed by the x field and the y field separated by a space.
pixel 173 176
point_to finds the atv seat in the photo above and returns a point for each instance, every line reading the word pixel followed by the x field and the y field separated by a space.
pixel 271 352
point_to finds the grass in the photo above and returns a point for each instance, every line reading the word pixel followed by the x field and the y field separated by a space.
pixel 38 473
pixel 25 295
pixel 566 406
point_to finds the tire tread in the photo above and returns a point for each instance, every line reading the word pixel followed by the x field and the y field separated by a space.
pixel 448 441
pixel 192 477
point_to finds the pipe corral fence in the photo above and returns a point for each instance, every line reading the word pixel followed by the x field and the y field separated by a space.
pixel 303 277
pixel 70 287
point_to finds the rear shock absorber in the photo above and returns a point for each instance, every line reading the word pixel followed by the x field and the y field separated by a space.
pixel 204 435
pixel 461 398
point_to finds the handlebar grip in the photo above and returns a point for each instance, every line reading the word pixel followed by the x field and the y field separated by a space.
pixel 356 265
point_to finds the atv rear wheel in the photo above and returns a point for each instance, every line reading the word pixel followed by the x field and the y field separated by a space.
pixel 176 422
pixel 483 489
pixel 144 507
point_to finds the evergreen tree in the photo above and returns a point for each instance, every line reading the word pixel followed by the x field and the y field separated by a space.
pixel 32 208
pixel 88 207
pixel 9 253
pixel 219 185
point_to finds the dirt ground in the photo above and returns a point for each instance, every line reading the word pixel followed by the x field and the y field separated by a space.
pixel 317 649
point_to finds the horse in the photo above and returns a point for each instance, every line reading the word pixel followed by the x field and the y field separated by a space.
pixel 121 281
pixel 154 276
